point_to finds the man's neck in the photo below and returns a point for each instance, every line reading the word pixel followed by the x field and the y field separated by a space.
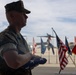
pixel 15 28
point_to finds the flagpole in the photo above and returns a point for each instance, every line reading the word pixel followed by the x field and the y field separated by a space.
pixel 72 60
pixel 54 31
pixel 56 57
pixel 59 71
pixel 49 56
pixel 48 51
pixel 56 51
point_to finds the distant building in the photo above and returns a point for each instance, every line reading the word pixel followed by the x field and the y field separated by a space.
pixel 71 45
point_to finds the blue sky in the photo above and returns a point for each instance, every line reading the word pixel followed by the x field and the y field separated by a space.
pixel 45 14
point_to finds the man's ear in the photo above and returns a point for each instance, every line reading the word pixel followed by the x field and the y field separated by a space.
pixel 11 15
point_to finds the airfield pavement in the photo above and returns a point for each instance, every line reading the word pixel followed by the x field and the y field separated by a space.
pixel 53 69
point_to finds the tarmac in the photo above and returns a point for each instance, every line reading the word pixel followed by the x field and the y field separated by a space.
pixel 53 69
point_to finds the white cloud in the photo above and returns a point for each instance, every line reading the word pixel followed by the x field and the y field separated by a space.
pixel 46 14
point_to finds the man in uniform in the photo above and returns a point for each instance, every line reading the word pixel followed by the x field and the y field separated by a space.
pixel 15 57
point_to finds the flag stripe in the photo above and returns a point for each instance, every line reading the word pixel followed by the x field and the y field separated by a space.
pixel 61 58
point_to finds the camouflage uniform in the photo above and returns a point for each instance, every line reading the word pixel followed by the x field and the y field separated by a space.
pixel 10 40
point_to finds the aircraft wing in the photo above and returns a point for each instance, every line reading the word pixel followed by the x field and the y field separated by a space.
pixel 45 43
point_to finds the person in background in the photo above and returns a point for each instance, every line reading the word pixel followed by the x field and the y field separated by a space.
pixel 15 57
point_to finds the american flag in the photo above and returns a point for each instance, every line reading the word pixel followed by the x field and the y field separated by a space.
pixel 34 62
pixel 34 46
pixel 62 53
